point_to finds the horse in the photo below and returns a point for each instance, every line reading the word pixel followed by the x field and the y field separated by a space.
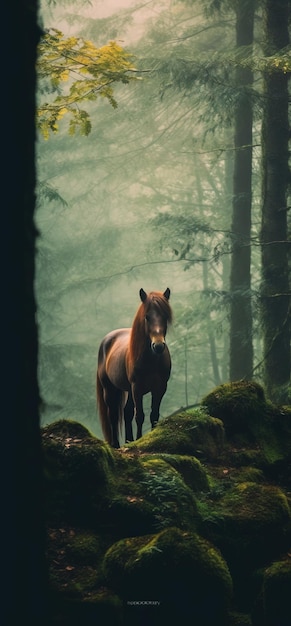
pixel 131 363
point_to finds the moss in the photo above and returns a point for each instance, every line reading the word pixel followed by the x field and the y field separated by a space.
pixel 74 582
pixel 65 429
pixel 129 475
pixel 250 524
pixel 160 501
pixel 90 484
pixel 276 592
pixel 190 468
pixel 191 432
pixel 78 473
pixel 130 516
pixel 181 570
pixel 263 503
pixel 75 558
pixel 249 474
pixel 273 605
pixel 84 548
pixel 173 503
pixel 158 498
pixel 252 421
pixel 237 404
pixel 245 456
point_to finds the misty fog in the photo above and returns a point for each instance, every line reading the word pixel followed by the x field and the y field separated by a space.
pixel 143 201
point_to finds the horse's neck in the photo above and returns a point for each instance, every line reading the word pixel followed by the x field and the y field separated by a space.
pixel 139 346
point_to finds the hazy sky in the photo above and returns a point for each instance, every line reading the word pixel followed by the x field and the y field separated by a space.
pixel 99 9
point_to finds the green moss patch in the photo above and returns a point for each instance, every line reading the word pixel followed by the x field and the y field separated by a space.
pixel 181 570
pixel 172 516
pixel 78 473
pixel 272 606
pixel 255 426
pixel 190 468
pixel 250 524
pixel 237 404
pixel 149 494
pixel 191 432
pixel 75 561
pixel 276 592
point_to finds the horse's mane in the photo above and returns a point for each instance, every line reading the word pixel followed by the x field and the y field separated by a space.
pixel 138 337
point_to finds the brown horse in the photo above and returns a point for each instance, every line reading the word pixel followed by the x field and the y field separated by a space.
pixel 132 362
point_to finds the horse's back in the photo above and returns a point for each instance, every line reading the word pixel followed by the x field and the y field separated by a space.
pixel 111 358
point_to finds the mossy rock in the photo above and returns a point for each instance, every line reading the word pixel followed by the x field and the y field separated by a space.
pixel 251 421
pixel 192 471
pixel 88 484
pixel 274 607
pixel 156 498
pixel 78 472
pixel 237 404
pixel 191 432
pixel 66 429
pixel 251 526
pixel 180 570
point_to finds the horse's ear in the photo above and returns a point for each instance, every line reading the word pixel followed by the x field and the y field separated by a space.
pixel 167 293
pixel 143 295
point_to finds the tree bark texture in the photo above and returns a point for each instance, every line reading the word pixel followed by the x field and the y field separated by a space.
pixel 275 288
pixel 241 347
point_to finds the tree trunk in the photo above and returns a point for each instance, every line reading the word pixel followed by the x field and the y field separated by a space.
pixel 241 348
pixel 210 331
pixel 23 586
pixel 275 298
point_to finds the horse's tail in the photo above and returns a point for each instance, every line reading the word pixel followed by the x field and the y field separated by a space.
pixel 103 412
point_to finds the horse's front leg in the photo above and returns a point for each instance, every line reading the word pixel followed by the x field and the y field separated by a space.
pixel 137 397
pixel 157 395
pixel 128 417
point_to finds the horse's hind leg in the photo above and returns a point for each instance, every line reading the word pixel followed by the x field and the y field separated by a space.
pixel 128 417
pixel 112 398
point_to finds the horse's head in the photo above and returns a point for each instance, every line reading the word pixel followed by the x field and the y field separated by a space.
pixel 157 315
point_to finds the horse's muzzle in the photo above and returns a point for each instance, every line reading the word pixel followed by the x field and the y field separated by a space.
pixel 158 347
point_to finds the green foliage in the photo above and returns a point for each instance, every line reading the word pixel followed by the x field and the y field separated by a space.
pixel 173 502
pixel 88 73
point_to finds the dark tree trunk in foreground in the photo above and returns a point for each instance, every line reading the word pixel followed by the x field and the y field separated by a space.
pixel 275 284
pixel 241 347
pixel 23 586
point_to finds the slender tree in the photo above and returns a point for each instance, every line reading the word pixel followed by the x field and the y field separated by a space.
pixel 241 348
pixel 275 290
